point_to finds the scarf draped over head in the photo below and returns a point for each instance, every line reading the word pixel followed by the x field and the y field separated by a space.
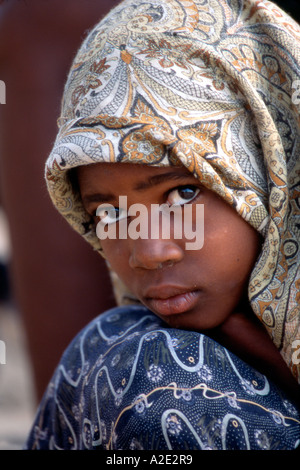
pixel 212 85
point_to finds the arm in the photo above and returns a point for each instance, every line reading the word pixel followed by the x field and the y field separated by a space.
pixel 245 336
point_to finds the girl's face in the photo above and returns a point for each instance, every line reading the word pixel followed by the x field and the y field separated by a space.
pixel 187 288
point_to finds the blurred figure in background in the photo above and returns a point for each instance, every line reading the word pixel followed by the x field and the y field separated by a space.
pixel 38 40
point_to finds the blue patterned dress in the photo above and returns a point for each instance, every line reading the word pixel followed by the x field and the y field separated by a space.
pixel 128 382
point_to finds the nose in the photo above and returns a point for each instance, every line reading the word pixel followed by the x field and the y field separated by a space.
pixel 154 254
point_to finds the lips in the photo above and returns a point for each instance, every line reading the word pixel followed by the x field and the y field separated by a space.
pixel 170 300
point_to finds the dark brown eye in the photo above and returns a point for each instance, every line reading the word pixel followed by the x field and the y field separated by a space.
pixel 109 214
pixel 183 195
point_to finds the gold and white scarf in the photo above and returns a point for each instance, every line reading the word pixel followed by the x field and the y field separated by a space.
pixel 209 84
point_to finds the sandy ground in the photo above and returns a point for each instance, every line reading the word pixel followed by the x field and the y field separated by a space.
pixel 17 402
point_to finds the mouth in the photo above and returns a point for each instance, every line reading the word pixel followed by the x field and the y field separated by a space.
pixel 170 300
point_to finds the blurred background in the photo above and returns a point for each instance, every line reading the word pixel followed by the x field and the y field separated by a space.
pixel 51 282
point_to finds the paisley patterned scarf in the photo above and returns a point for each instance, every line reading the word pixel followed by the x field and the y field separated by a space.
pixel 211 85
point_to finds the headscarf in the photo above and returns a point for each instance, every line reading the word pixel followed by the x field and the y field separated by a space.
pixel 212 85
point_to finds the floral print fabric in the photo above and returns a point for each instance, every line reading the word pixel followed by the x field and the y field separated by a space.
pixel 128 382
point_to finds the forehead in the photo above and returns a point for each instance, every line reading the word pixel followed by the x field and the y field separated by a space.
pixel 112 174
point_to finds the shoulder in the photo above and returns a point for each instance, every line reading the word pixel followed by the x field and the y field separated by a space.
pixel 127 379
pixel 114 325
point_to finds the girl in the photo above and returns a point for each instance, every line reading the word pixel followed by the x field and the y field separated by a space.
pixel 183 103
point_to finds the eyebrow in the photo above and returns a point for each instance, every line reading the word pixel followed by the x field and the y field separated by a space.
pixel 155 180
pixel 152 181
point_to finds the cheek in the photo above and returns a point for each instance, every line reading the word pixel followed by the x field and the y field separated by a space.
pixel 232 251
pixel 116 253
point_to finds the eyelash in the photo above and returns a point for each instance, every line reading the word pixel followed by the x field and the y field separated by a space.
pixel 186 186
pixel 191 187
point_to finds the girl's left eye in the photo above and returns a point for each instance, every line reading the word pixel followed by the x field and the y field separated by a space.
pixel 182 195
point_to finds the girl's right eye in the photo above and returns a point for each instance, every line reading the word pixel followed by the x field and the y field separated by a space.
pixel 108 214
